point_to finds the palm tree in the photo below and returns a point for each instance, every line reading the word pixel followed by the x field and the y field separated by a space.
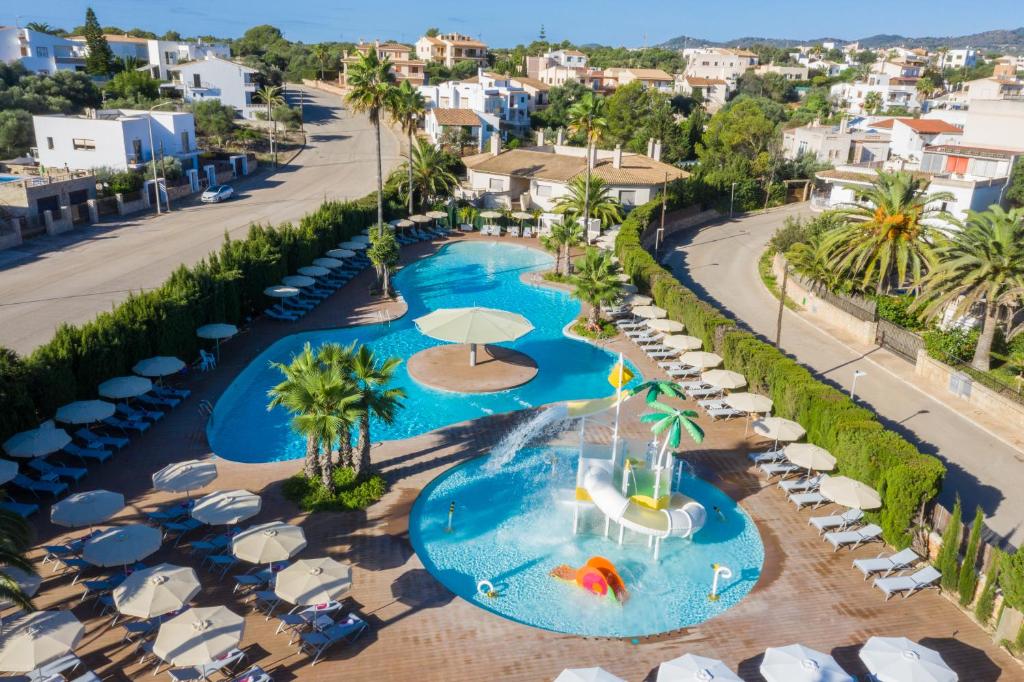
pixel 372 378
pixel 591 198
pixel 596 282
pixel 297 393
pixel 321 54
pixel 586 118
pixel 428 174
pixel 811 259
pixel 372 91
pixel 563 236
pixel 15 540
pixel 41 27
pixel 407 110
pixel 873 102
pixel 890 237
pixel 271 96
pixel 981 264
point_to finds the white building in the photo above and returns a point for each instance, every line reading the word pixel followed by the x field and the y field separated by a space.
pixel 500 105
pixel 957 59
pixel 836 145
pixel 450 49
pixel 616 77
pixel 910 136
pixel 895 91
pixel 787 71
pixel 719 63
pixel 564 66
pixel 39 52
pixel 114 138
pixel 711 92
pixel 231 83
pixel 158 55
pixel 573 59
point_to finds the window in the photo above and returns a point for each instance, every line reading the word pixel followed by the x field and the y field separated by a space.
pixel 83 145
pixel 627 197
pixel 985 168
pixel 49 143
pixel 197 81
pixel 496 184
pixel 42 52
pixel 543 190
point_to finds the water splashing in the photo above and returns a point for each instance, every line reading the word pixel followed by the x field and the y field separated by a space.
pixel 544 423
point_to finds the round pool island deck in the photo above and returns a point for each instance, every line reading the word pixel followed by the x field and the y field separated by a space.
pixel 446 368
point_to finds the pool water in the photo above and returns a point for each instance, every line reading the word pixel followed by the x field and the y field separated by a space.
pixel 460 274
pixel 513 525
pixel 8 178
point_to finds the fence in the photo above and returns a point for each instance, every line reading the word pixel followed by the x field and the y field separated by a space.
pixel 106 206
pixel 901 341
pixel 861 308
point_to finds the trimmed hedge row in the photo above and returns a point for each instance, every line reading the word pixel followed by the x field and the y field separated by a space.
pixel 225 287
pixel 864 450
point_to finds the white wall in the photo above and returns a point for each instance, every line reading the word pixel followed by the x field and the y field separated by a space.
pixel 995 123
pixel 43 50
pixel 221 80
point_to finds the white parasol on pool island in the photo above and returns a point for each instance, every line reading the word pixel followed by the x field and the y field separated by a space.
pixel 473 326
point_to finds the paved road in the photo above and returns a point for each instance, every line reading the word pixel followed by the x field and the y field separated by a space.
pixel 72 277
pixel 719 262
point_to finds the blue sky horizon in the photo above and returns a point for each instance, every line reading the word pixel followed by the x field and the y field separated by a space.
pixel 648 23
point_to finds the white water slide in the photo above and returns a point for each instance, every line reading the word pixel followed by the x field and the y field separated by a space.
pixel 683 518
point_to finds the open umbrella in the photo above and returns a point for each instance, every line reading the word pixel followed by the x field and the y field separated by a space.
pixel 38 638
pixel 490 215
pixel 218 331
pixel 402 223
pixel 682 342
pixel 693 668
pixel 299 281
pixel 8 470
pixel 313 271
pixel 268 542
pixel 797 663
pixel 650 312
pixel 86 509
pixel 156 591
pixel 724 379
pixel 700 359
pixel 330 263
pixel 182 477
pixel 850 493
pixel 778 429
pixel 810 456
pixel 667 326
pixel 122 545
pixel 522 215
pixel 421 219
pixel 313 581
pixel 898 659
pixel 341 254
pixel 121 388
pixel 437 215
pixel 158 366
pixel 226 507
pixel 587 675
pixel 361 239
pixel 39 442
pixel 473 326
pixel 281 291
pixel 198 636
pixel 637 300
pixel 748 402
pixel 85 412
pixel 353 246
pixel 28 583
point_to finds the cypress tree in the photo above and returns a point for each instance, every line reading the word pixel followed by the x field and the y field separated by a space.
pixel 100 58
pixel 968 582
pixel 948 560
pixel 987 601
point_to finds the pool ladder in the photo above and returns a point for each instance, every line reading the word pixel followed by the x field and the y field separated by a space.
pixel 384 317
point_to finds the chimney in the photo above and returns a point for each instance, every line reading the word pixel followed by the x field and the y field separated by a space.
pixel 480 73
pixel 540 137
pixel 657 150
pixel 617 158
pixel 495 144
pixel 650 147
pixel 560 138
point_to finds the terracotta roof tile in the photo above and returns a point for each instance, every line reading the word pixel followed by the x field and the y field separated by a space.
pixel 636 169
pixel 455 117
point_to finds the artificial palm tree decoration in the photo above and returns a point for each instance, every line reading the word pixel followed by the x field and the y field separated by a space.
pixel 271 96
pixel 372 91
pixel 15 540
pixel 655 389
pixel 670 422
pixel 428 175
pixel 891 240
pixel 587 118
pixel 407 110
pixel 563 236
pixel 591 198
pixel 982 265
pixel 596 282
pixel 373 378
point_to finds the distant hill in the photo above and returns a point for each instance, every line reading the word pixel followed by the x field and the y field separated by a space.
pixel 997 41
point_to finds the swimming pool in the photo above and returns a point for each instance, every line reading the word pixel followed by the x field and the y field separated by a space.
pixel 460 274
pixel 8 178
pixel 513 525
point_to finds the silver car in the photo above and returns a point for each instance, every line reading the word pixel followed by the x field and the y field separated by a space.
pixel 217 193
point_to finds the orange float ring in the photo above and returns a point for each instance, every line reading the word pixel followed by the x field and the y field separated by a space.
pixel 592 580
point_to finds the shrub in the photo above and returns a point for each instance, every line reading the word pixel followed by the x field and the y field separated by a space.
pixel 952 346
pixel 1011 579
pixel 582 328
pixel 350 492
pixel 948 561
pixel 987 601
pixel 125 182
pixel 968 582
pixel 896 309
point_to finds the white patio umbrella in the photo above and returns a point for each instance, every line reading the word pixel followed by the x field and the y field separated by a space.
pixel 281 291
pixel 313 581
pixel 226 507
pixel 268 542
pixel 490 215
pixel 122 545
pixel 748 402
pixel 28 583
pixel 778 429
pixel 810 456
pixel 693 668
pixel 667 326
pixel 439 215
pixel 313 271
pixel 649 312
pixel 218 331
pixel 898 659
pixel 182 477
pixel 121 388
pixel 402 223
pixel 353 246
pixel 156 591
pixel 520 215
pixel 198 636
pixel 86 509
pixel 8 470
pixel 330 263
pixel 341 254
pixel 587 675
pixel 724 378
pixel 39 442
pixel 158 366
pixel 473 326
pixel 700 359
pixel 38 638
pixel 298 281
pixel 850 493
pixel 85 411
pixel 637 300
pixel 682 342
pixel 361 239
pixel 797 663
pixel 421 219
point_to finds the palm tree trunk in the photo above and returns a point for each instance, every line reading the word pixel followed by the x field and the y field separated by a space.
pixel 362 462
pixel 380 180
pixel 312 464
pixel 327 472
pixel 586 197
pixel 410 173
pixel 568 260
pixel 595 314
pixel 983 351
pixel 345 450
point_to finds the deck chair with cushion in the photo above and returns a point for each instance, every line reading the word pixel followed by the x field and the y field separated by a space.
pixel 165 391
pixel 52 488
pixel 52 471
pixel 138 415
pixel 802 485
pixel 253 674
pixel 279 313
pixel 316 643
pixel 773 469
pixel 85 454
pixel 885 565
pixel 157 401
pixel 22 509
pixel 908 584
pixel 766 456
pixel 725 413
pixel 206 671
pixel 126 425
pixel 94 440
pixel 811 499
pixel 851 517
pixel 853 538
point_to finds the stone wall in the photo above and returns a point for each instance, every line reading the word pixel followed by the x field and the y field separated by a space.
pixel 324 85
pixel 939 375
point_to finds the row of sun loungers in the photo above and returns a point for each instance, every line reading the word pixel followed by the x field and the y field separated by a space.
pixel 420 234
pixel 512 231
pixel 294 308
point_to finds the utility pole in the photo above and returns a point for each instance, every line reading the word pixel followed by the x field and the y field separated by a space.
pixel 782 304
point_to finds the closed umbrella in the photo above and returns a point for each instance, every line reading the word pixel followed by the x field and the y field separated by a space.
pixel 637 300
pixel 667 326
pixel 898 659
pixel 473 326
pixel 122 545
pixel 182 477
pixel 650 312
pixel 700 359
pixel 748 402
pixel 298 281
pixel 850 493
pixel 28 583
pixel 121 388
pixel 85 412
pixel 268 542
pixel 778 429
pixel 587 675
pixel 313 581
pixel 226 507
pixel 797 663
pixel 313 271
pixel 86 509
pixel 37 638
pixel 39 442
pixel 158 366
pixel 198 636
pixel 156 591
pixel 693 668
pixel 341 254
pixel 682 342
pixel 218 331
pixel 281 291
pixel 8 470
pixel 723 378
pixel 353 246
pixel 331 263
pixel 810 456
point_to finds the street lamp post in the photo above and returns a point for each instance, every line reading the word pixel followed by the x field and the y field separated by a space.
pixel 856 375
pixel 152 153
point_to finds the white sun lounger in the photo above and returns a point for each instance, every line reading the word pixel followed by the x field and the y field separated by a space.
pixel 705 392
pixel 802 500
pixel 801 485
pixel 853 538
pixel 660 352
pixel 908 584
pixel 766 456
pixel 684 372
pixel 887 564
pixel 837 521
pixel 773 469
pixel 725 413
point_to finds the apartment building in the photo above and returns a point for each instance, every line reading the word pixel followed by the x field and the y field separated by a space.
pixel 39 52
pixel 957 59
pixel 564 66
pixel 837 144
pixel 788 71
pixel 159 55
pixel 231 83
pixel 498 104
pixel 451 48
pixel 712 92
pixel 657 79
pixel 894 91
pixel 403 66
pixel 719 63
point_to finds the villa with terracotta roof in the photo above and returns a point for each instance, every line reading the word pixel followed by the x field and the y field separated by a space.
pixel 711 91
pixel 495 105
pixel 451 48
pixel 403 66
pixel 719 63
pixel 615 77
pixel 564 66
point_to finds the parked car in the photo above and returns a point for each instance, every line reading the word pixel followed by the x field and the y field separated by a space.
pixel 217 193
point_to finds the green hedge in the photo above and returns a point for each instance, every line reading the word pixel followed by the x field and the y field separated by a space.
pixel 905 478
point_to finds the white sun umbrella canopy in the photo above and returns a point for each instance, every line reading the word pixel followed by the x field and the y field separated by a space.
pixel 158 366
pixel 700 359
pixel 361 239
pixel 281 291
pixel 156 591
pixel 724 379
pixel 353 246
pixel 268 542
pixel 439 215
pixel 490 215
pixel 418 218
pixel 473 326
pixel 520 215
pixel 226 507
pixel 122 388
pixel 85 411
pixel 198 636
pixel 217 331
pixel 330 263
pixel 650 312
pixel 38 638
pixel 636 300
pixel 587 675
pixel 810 456
pixel 38 442
pixel 86 509
pixel 682 342
pixel 797 663
pixel 28 583
pixel 693 668
pixel 667 326
pixel 850 493
pixel 313 581
pixel 8 471
pixel 748 402
pixel 898 659
pixel 182 477
pixel 122 545
pixel 313 271
pixel 298 281
pixel 402 223
pixel 340 254
pixel 778 429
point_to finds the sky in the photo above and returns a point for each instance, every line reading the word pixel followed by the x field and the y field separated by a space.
pixel 504 23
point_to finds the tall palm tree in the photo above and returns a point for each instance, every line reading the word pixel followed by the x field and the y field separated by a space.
pixel 378 398
pixel 297 393
pixel 890 237
pixel 321 54
pixel 596 282
pixel 872 102
pixel 270 95
pixel 372 91
pixel 591 198
pixel 563 236
pixel 407 110
pixel 428 174
pixel 587 118
pixel 981 264
pixel 15 540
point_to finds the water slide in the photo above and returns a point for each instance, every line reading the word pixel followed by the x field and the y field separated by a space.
pixel 683 518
